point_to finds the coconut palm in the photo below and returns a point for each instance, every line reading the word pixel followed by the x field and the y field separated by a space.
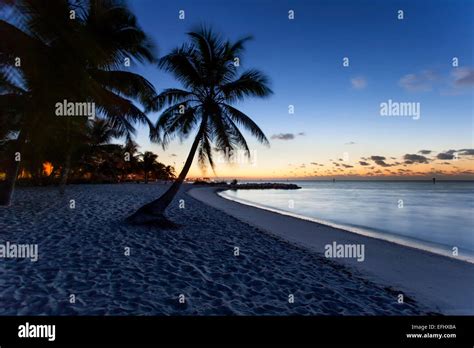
pixel 149 163
pixel 131 157
pixel 95 153
pixel 70 50
pixel 207 69
pixel 168 173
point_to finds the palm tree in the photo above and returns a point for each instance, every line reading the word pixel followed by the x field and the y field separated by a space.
pixel 212 84
pixel 96 151
pixel 169 172
pixel 76 59
pixel 149 163
pixel 130 156
pixel 15 101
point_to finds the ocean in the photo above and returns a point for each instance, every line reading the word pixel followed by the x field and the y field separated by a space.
pixel 436 217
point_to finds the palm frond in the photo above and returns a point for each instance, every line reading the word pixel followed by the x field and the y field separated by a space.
pixel 172 123
pixel 126 84
pixel 121 112
pixel 222 132
pixel 205 149
pixel 245 121
pixel 170 96
pixel 180 63
pixel 251 83
pixel 117 35
pixel 17 43
pixel 237 136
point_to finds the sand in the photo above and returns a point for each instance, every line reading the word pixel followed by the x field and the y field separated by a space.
pixel 444 284
pixel 81 251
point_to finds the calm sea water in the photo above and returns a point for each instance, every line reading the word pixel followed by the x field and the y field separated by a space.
pixel 432 217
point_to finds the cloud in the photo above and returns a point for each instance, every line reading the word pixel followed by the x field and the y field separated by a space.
pixel 283 136
pixel 445 156
pixel 363 163
pixel 460 81
pixel 286 136
pixel 452 154
pixel 421 82
pixel 463 77
pixel 425 152
pixel 350 143
pixel 382 163
pixel 358 82
pixel 466 152
pixel 347 166
pixel 380 160
pixel 414 158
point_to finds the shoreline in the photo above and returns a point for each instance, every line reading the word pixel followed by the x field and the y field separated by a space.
pixel 443 283
pixel 403 241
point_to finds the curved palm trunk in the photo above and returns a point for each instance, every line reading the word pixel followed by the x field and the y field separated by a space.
pixel 153 211
pixel 65 173
pixel 8 185
pixel 67 163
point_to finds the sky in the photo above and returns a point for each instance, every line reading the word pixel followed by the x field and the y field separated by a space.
pixel 337 128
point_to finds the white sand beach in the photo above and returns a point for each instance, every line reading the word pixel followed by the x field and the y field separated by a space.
pixel 81 251
pixel 444 284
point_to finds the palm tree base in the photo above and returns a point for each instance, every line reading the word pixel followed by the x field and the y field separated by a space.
pixel 157 220
pixel 6 193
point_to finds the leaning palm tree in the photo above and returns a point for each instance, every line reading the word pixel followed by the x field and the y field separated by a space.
pixel 206 68
pixel 13 100
pixel 78 58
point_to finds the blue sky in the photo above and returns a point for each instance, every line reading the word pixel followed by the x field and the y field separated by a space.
pixel 407 60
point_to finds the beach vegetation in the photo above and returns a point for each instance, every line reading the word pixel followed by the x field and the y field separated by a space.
pixel 55 50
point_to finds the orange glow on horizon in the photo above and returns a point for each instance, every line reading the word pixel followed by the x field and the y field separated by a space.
pixel 457 169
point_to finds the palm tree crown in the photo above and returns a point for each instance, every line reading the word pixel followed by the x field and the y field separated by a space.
pixel 207 69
